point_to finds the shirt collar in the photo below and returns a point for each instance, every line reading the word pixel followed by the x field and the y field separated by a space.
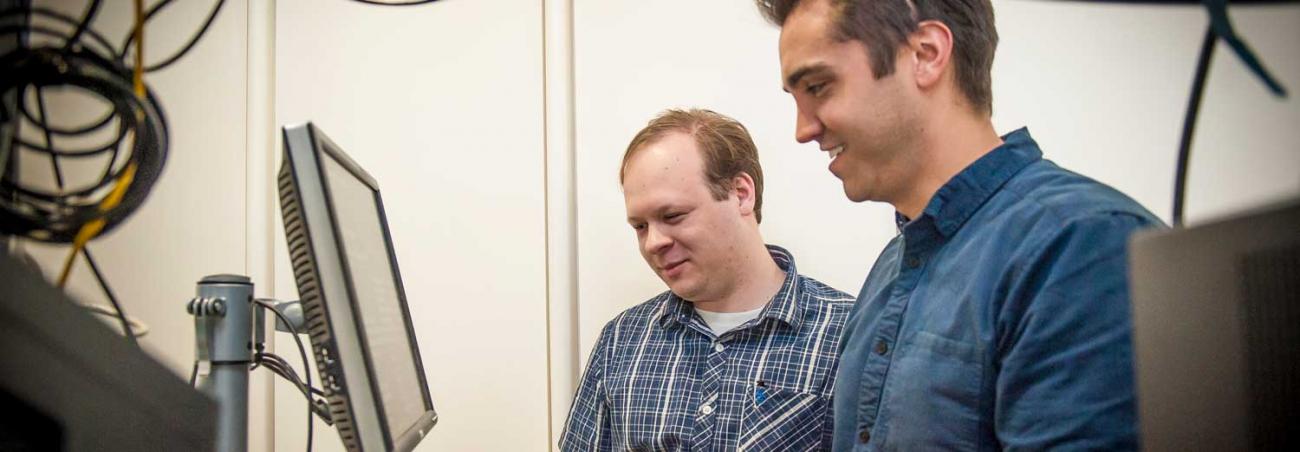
pixel 783 307
pixel 958 199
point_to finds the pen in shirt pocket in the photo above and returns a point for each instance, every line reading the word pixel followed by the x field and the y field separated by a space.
pixel 760 392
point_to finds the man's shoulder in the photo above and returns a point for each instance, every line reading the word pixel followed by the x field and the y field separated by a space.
pixel 820 297
pixel 1057 197
pixel 639 316
pixel 821 292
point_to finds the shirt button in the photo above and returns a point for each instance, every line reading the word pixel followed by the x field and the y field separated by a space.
pixel 717 347
pixel 864 435
pixel 912 261
pixel 882 348
pixel 706 409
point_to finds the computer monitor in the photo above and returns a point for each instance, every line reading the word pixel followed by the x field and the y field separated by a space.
pixel 352 296
pixel 1216 333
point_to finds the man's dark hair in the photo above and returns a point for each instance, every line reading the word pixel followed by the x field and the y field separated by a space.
pixel 884 25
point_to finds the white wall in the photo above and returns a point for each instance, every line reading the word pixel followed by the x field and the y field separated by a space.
pixel 1102 88
pixel 442 104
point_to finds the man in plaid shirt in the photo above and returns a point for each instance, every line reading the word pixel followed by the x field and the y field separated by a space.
pixel 740 353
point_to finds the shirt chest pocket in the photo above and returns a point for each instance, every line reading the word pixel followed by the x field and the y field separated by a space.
pixel 778 419
pixel 932 396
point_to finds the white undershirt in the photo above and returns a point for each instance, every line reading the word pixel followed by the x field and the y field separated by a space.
pixel 722 322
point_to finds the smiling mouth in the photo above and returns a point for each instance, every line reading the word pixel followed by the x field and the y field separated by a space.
pixel 670 267
pixel 835 151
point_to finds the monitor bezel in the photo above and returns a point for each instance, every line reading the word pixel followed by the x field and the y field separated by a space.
pixel 320 146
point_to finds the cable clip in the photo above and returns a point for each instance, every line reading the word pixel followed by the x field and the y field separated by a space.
pixel 206 307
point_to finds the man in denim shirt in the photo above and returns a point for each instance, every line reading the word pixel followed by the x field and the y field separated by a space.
pixel 998 318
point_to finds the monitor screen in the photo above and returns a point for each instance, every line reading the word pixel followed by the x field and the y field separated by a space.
pixel 352 296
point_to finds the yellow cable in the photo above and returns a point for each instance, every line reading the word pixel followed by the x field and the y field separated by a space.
pixel 94 227
pixel 139 49
pixel 91 229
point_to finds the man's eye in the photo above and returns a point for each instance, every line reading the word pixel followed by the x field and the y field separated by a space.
pixel 639 226
pixel 815 88
pixel 674 217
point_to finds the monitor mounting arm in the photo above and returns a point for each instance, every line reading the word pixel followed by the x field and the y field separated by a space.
pixel 229 335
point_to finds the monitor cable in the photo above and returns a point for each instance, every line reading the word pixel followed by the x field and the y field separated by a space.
pixel 306 388
pixel 194 39
pixel 278 366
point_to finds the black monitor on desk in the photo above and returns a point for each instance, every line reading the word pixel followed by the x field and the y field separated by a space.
pixel 69 383
pixel 1216 333
pixel 352 296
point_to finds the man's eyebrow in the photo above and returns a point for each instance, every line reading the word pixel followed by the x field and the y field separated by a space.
pixel 657 212
pixel 794 77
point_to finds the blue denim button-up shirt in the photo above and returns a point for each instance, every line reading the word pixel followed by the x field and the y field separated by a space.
pixel 998 319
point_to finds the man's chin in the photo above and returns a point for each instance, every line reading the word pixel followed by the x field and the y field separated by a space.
pixel 684 291
pixel 855 195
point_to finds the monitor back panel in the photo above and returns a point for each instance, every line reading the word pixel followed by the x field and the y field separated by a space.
pixel 1216 315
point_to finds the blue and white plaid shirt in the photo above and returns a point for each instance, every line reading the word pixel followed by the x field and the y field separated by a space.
pixel 659 379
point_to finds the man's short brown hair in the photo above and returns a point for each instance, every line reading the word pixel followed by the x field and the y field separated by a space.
pixel 724 144
pixel 884 25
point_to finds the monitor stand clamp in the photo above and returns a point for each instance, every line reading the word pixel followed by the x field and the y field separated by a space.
pixel 228 324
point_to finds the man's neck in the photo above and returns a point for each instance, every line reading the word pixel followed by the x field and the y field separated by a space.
pixel 951 141
pixel 758 279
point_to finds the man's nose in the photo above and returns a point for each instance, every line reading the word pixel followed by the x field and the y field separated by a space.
pixel 656 240
pixel 806 127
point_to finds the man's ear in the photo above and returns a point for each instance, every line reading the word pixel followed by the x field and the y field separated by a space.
pixel 931 46
pixel 742 186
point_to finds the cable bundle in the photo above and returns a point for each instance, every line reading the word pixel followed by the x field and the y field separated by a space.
pixel 134 154
pixel 130 139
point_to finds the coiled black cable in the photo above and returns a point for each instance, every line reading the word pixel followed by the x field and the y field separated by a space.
pixel 132 133
pixel 86 19
pixel 134 130
pixel 58 215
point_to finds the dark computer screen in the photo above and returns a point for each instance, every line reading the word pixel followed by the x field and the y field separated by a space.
pixel 70 383
pixel 1215 339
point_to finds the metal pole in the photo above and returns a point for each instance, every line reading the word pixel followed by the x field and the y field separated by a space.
pixel 223 322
